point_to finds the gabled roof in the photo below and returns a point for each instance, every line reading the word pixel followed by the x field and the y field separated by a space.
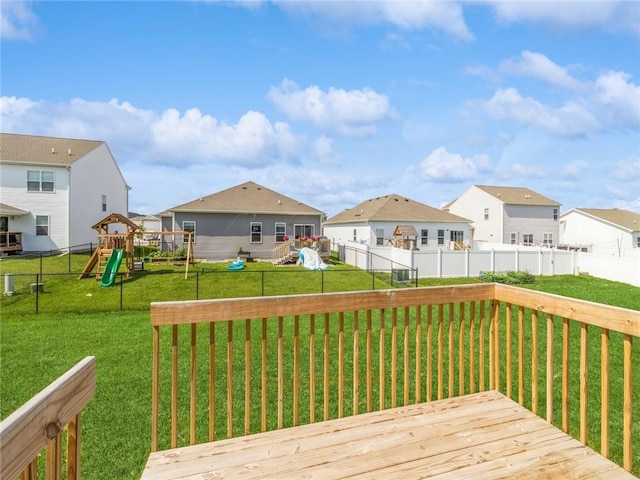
pixel 247 197
pixel 517 195
pixel 48 150
pixel 620 218
pixel 393 208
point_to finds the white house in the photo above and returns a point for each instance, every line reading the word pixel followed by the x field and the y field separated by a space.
pixel 375 221
pixel 603 231
pixel 509 215
pixel 53 190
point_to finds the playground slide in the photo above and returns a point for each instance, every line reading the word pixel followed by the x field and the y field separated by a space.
pixel 111 270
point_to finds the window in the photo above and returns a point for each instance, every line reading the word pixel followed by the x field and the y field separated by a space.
pixel 281 231
pixel 638 242
pixel 440 237
pixel 547 238
pixel 379 236
pixel 189 226
pixel 457 235
pixel 104 203
pixel 424 237
pixel 38 181
pixel 355 237
pixel 555 213
pixel 527 239
pixel 42 225
pixel 256 232
pixel 301 231
pixel 486 214
pixel 514 239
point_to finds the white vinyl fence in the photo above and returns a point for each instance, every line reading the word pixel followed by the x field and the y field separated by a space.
pixel 444 263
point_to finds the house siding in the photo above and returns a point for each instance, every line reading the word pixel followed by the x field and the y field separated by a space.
pixel 218 235
pixel 366 233
pixel 602 237
pixel 52 204
pixel 92 176
pixel 472 204
pixel 530 219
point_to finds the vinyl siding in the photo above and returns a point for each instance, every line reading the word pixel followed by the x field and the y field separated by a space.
pixel 53 204
pixel 218 235
pixel 92 176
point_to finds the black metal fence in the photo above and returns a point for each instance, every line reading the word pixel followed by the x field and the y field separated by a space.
pixel 65 293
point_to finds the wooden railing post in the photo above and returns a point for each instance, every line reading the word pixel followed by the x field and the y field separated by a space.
pixel 49 412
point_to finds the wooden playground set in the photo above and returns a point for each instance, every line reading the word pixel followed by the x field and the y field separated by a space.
pixel 116 248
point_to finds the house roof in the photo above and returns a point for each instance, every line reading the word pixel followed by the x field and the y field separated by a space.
pixel 247 197
pixel 517 195
pixel 620 218
pixel 393 208
pixel 11 210
pixel 47 150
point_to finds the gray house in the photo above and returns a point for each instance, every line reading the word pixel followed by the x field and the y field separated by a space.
pixel 247 216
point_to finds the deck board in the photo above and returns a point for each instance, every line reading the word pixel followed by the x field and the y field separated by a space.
pixel 479 436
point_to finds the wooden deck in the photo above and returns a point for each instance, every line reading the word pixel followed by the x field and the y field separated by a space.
pixel 480 436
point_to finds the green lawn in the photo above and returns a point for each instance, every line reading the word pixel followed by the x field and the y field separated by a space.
pixel 36 349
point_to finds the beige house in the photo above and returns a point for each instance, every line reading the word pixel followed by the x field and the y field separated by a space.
pixel 391 218
pixel 509 215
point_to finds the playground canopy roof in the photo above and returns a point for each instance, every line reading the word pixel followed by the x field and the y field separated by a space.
pixel 103 225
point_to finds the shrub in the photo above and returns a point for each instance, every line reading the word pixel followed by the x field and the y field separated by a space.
pixel 509 278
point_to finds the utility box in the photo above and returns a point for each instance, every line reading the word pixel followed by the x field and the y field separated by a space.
pixel 400 276
pixel 9 284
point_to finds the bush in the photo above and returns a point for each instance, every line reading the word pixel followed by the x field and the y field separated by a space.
pixel 509 278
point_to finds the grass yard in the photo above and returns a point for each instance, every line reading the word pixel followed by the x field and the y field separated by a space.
pixel 36 349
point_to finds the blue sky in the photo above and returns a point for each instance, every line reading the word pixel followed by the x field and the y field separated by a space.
pixel 334 102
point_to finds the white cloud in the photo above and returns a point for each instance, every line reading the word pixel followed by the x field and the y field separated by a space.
pixel 575 169
pixel 17 21
pixel 443 166
pixel 621 15
pixel 349 113
pixel 628 170
pixel 168 137
pixel 571 119
pixel 418 14
pixel 538 66
pixel 618 99
pixel 323 151
pixel 527 171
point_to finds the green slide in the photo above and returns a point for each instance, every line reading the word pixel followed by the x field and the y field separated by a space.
pixel 111 270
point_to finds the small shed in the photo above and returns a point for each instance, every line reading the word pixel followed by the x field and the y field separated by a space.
pixel 406 237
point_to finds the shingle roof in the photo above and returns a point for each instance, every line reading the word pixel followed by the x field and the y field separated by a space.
pixel 247 197
pixel 622 218
pixel 48 150
pixel 517 195
pixel 393 208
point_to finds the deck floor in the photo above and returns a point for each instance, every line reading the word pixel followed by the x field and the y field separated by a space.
pixel 477 436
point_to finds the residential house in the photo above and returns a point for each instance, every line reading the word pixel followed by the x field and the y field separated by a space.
pixel 508 215
pixel 148 224
pixel 247 216
pixel 53 190
pixel 384 220
pixel 604 231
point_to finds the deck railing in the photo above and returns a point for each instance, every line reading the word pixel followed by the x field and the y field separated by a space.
pixel 10 242
pixel 258 364
pixel 41 424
